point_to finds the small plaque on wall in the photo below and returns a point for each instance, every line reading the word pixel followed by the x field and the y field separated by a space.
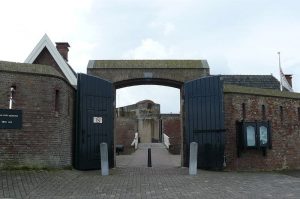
pixel 10 119
pixel 97 120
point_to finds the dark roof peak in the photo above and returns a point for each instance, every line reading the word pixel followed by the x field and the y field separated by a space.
pixel 257 81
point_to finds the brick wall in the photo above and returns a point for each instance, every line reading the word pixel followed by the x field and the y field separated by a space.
pixel 46 137
pixel 125 131
pixel 285 153
pixel 172 128
pixel 46 58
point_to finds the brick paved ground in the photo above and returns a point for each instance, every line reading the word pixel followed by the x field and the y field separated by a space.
pixel 142 182
pixel 160 157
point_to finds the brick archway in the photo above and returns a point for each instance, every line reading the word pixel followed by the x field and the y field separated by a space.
pixel 172 73
pixel 124 73
pixel 148 81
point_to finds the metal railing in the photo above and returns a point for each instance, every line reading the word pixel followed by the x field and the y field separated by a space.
pixel 166 140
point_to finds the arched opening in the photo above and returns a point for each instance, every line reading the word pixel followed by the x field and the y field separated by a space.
pixel 148 81
pixel 201 112
pixel 153 113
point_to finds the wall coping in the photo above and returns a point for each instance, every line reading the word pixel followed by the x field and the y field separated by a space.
pixel 229 88
pixel 31 69
pixel 143 64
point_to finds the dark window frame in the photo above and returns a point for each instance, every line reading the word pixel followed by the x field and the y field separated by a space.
pixel 281 113
pixel 56 100
pixel 69 104
pixel 263 112
pixel 241 136
pixel 243 111
pixel 257 125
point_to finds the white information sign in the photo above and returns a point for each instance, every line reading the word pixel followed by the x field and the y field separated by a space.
pixel 97 120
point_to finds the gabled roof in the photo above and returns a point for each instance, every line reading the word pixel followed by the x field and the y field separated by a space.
pixel 45 42
pixel 257 81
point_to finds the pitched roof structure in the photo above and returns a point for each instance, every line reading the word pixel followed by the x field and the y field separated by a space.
pixel 45 42
pixel 257 81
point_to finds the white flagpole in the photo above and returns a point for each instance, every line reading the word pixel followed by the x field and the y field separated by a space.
pixel 280 71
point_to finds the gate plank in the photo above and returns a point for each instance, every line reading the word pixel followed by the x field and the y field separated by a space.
pixel 204 120
pixel 94 98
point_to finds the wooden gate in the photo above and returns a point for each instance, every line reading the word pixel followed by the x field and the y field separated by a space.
pixel 204 121
pixel 94 121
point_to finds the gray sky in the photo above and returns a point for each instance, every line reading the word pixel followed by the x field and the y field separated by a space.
pixel 235 36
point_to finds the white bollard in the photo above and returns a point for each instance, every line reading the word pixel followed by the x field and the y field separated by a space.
pixel 193 158
pixel 104 159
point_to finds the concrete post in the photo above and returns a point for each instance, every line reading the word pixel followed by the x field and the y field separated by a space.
pixel 104 159
pixel 193 158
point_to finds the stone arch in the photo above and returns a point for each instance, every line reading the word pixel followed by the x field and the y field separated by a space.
pixel 172 73
pixel 160 72
pixel 148 81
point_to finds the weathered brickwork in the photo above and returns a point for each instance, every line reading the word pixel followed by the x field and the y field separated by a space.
pixel 45 58
pixel 45 139
pixel 161 72
pixel 47 102
pixel 172 128
pixel 125 130
pixel 145 115
pixel 285 153
pixel 149 124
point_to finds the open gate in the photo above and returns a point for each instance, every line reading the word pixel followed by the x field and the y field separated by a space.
pixel 204 121
pixel 94 121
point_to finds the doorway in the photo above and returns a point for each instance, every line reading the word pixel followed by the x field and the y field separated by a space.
pixel 153 112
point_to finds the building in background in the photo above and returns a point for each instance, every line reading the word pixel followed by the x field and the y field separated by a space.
pixel 145 118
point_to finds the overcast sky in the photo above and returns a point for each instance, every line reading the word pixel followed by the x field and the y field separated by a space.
pixel 235 36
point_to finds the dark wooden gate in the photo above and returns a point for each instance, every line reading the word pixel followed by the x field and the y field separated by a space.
pixel 204 121
pixel 94 121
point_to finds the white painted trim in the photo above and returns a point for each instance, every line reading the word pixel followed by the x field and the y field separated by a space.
pixel 45 42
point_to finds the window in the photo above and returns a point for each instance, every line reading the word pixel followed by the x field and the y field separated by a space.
pixel 56 102
pixel 298 113
pixel 281 113
pixel 256 134
pixel 250 136
pixel 244 111
pixel 263 135
pixel 69 105
pixel 263 112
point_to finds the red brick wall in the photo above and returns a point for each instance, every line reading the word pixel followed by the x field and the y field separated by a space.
pixel 172 128
pixel 46 137
pixel 46 58
pixel 125 131
pixel 285 153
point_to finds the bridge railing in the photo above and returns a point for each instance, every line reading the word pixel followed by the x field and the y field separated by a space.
pixel 166 140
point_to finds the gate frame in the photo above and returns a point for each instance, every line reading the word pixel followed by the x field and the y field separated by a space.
pixel 79 135
pixel 150 81
pixel 213 90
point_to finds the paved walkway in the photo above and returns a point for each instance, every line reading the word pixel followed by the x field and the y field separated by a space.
pixel 133 180
pixel 159 155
